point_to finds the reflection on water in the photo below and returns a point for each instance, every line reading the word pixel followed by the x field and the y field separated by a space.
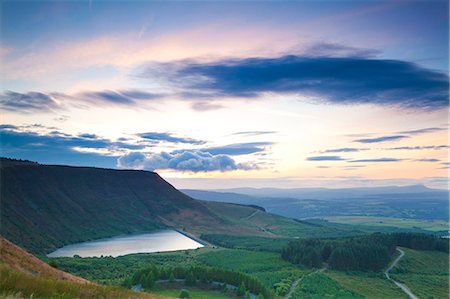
pixel 166 240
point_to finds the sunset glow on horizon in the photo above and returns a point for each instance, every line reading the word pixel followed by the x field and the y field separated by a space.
pixel 231 94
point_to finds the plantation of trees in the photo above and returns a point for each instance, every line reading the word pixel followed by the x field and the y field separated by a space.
pixel 191 275
pixel 362 253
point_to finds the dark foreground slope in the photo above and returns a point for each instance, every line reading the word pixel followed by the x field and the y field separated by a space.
pixel 24 276
pixel 44 207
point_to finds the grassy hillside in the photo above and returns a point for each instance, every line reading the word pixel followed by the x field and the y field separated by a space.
pixel 24 276
pixel 426 273
pixel 317 286
pixel 45 207
pixel 371 285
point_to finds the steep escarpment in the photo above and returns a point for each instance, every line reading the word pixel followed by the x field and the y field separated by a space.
pixel 44 207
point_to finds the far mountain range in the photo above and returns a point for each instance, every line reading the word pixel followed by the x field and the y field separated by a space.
pixel 415 201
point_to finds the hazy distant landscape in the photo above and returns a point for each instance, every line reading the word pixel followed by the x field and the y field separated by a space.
pixel 224 149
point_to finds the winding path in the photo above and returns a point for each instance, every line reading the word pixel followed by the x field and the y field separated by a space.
pixel 295 284
pixel 250 216
pixel 401 285
pixel 293 287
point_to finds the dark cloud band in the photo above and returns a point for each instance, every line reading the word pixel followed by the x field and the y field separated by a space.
pixel 339 80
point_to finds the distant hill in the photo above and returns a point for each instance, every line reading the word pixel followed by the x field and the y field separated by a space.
pixel 44 207
pixel 404 202
pixel 330 193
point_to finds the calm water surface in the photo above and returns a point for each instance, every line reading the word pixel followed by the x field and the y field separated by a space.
pixel 165 240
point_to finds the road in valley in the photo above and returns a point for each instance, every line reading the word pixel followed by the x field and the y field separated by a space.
pixel 401 285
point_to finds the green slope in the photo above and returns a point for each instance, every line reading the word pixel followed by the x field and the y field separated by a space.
pixel 44 207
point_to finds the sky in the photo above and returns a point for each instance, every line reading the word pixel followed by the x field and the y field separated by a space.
pixel 215 95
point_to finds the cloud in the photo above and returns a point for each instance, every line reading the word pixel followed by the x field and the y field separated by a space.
pixel 7 127
pixel 427 160
pixel 124 97
pixel 344 150
pixel 378 160
pixel 419 147
pixel 88 136
pixel 45 102
pixel 422 131
pixel 325 158
pixel 167 137
pixel 254 133
pixel 238 148
pixel 381 139
pixel 446 165
pixel 205 106
pixel 336 80
pixel 60 148
pixel 337 50
pixel 27 102
pixel 190 161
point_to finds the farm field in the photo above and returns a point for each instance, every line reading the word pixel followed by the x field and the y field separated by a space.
pixel 432 225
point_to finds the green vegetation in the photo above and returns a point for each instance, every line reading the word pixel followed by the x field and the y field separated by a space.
pixel 318 286
pixel 247 242
pixel 362 253
pixel 199 274
pixel 264 254
pixel 371 285
pixel 268 267
pixel 78 204
pixel 192 293
pixel 426 273
pixel 265 227
pixel 45 207
pixel 16 284
pixel 243 260
pixel 432 225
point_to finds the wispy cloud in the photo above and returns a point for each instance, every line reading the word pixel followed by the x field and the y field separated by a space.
pixel 27 102
pixel 325 158
pixel 377 160
pixel 344 150
pixel 255 133
pixel 125 97
pixel 419 147
pixel 422 131
pixel 325 49
pixel 238 148
pixel 381 139
pixel 206 106
pixel 167 137
pixel 427 160
pixel 45 102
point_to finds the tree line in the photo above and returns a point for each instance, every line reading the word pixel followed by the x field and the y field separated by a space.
pixel 245 283
pixel 363 253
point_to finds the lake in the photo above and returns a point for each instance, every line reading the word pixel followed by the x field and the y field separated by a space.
pixel 164 240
